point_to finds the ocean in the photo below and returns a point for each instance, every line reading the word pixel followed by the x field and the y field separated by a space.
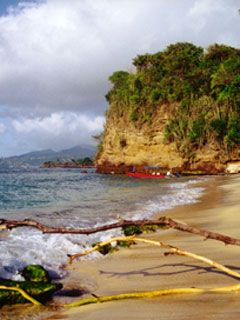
pixel 67 197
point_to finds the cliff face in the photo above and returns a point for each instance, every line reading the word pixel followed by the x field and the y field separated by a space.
pixel 179 110
pixel 131 145
pixel 125 145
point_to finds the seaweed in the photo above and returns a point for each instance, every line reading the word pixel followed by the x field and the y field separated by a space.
pixel 38 285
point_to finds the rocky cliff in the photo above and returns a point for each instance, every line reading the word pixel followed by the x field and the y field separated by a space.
pixel 147 124
pixel 125 145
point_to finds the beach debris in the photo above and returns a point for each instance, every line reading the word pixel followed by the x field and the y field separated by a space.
pixel 161 292
pixel 104 250
pixel 153 294
pixel 130 230
pixel 160 244
pixel 35 273
pixel 110 247
pixel 160 223
pixel 7 295
pixel 37 284
pixel 36 288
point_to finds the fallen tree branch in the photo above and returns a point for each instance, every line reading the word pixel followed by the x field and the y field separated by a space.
pixel 22 292
pixel 153 294
pixel 172 249
pixel 163 221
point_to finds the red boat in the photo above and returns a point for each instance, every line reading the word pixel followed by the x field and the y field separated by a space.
pixel 142 175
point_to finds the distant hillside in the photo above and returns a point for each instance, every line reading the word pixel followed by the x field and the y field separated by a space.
pixel 36 158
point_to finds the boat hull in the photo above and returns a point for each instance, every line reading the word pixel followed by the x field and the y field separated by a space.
pixel 141 175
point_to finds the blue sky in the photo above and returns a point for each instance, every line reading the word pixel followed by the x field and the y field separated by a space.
pixel 56 57
pixel 4 4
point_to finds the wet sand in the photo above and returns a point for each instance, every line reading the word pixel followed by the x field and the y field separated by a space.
pixel 145 268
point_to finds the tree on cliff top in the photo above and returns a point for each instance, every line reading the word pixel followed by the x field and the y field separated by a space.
pixel 203 85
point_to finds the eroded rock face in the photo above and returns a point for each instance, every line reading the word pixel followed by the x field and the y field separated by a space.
pixel 126 145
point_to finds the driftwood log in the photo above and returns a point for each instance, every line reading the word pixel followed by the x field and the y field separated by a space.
pixel 22 292
pixel 163 221
pixel 36 287
pixel 162 245
pixel 153 294
pixel 161 292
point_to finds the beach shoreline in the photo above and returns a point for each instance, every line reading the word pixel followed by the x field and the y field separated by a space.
pixel 145 268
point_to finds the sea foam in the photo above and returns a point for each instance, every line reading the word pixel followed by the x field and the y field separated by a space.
pixel 23 246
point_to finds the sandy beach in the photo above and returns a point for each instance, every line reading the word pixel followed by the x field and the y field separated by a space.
pixel 144 268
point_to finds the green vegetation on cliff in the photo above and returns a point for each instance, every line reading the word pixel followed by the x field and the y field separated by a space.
pixel 199 89
pixel 73 163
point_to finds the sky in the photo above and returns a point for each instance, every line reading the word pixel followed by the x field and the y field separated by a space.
pixel 56 57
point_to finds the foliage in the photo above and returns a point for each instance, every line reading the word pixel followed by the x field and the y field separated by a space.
pixel 84 161
pixel 35 273
pixel 69 163
pixel 124 244
pixel 220 127
pixel 105 249
pixel 196 129
pixel 131 230
pixel 233 134
pixel 99 138
pixel 203 86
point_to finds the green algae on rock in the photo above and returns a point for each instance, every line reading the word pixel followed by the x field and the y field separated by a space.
pixel 38 285
pixel 35 273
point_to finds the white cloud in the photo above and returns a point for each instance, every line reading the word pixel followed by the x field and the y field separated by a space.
pixel 60 130
pixel 58 54
pixel 213 15
pixel 56 122
pixel 2 128
pixel 56 57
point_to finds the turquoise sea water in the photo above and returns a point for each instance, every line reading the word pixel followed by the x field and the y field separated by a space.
pixel 62 197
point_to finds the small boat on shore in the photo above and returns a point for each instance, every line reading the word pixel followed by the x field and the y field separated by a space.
pixel 142 175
